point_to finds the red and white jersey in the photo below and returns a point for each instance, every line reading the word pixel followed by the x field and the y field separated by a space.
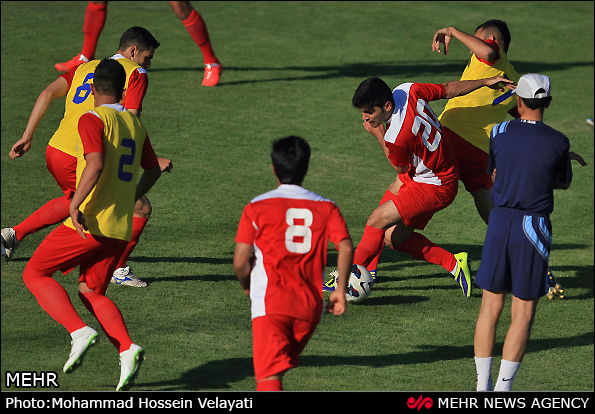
pixel 414 136
pixel 290 228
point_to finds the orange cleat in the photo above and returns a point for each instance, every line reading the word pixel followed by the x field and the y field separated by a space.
pixel 75 61
pixel 212 74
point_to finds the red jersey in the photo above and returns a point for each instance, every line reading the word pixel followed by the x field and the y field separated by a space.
pixel 414 136
pixel 289 228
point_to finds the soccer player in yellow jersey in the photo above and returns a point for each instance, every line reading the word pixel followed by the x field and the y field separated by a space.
pixel 471 117
pixel 135 52
pixel 111 148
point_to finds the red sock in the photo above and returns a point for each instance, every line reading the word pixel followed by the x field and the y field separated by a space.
pixel 138 226
pixel 269 385
pixel 95 16
pixel 422 248
pixel 110 318
pixel 369 247
pixel 52 212
pixel 374 263
pixel 198 30
pixel 53 299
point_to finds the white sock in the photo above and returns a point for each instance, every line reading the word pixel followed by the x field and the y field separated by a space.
pixel 484 373
pixel 506 375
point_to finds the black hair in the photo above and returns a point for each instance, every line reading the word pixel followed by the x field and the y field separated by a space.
pixel 139 37
pixel 291 157
pixel 371 93
pixel 109 78
pixel 501 27
pixel 537 103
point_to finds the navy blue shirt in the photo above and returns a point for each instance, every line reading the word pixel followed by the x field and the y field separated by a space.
pixel 529 157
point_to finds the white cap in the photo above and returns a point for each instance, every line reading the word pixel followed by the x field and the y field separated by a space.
pixel 533 86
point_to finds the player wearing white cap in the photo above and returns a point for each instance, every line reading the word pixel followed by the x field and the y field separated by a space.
pixel 527 160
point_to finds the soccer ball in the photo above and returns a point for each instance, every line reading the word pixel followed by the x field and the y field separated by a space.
pixel 360 284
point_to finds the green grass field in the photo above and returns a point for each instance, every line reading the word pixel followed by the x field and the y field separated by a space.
pixel 292 68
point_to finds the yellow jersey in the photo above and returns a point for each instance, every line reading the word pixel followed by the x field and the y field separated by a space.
pixel 472 116
pixel 79 100
pixel 108 209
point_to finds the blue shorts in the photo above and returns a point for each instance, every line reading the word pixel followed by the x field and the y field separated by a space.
pixel 516 253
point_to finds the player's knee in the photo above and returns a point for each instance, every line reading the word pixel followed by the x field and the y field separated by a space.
pixel 182 9
pixel 142 208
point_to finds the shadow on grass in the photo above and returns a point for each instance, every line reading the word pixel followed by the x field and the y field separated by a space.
pixel 407 70
pixel 220 374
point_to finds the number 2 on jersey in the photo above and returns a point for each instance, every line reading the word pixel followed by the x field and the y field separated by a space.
pixel 126 159
pixel 298 236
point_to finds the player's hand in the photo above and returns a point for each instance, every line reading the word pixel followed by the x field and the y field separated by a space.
pixel 499 83
pixel 20 148
pixel 443 36
pixel 165 164
pixel 80 224
pixel 575 157
pixel 378 132
pixel 336 303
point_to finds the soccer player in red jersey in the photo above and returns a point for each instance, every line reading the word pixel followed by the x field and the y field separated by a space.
pixel 135 52
pixel 112 146
pixel 288 230
pixel 95 17
pixel 418 150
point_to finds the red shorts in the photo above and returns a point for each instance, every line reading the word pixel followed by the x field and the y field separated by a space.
pixel 64 249
pixel 472 161
pixel 63 168
pixel 278 341
pixel 417 202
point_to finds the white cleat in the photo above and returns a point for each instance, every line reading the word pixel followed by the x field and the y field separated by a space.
pixel 124 276
pixel 129 362
pixel 79 346
pixel 9 243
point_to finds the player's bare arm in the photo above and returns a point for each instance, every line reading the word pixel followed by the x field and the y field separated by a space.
pixel 336 303
pixel 147 180
pixel 56 89
pixel 89 177
pixel 460 88
pixel 476 45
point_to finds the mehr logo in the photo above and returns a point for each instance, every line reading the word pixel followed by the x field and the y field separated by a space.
pixel 420 403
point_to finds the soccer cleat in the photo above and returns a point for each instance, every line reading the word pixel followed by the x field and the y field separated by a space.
pixel 212 74
pixel 590 121
pixel 463 274
pixel 555 289
pixel 329 285
pixel 75 61
pixel 9 243
pixel 124 276
pixel 79 347
pixel 129 362
pixel 373 273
